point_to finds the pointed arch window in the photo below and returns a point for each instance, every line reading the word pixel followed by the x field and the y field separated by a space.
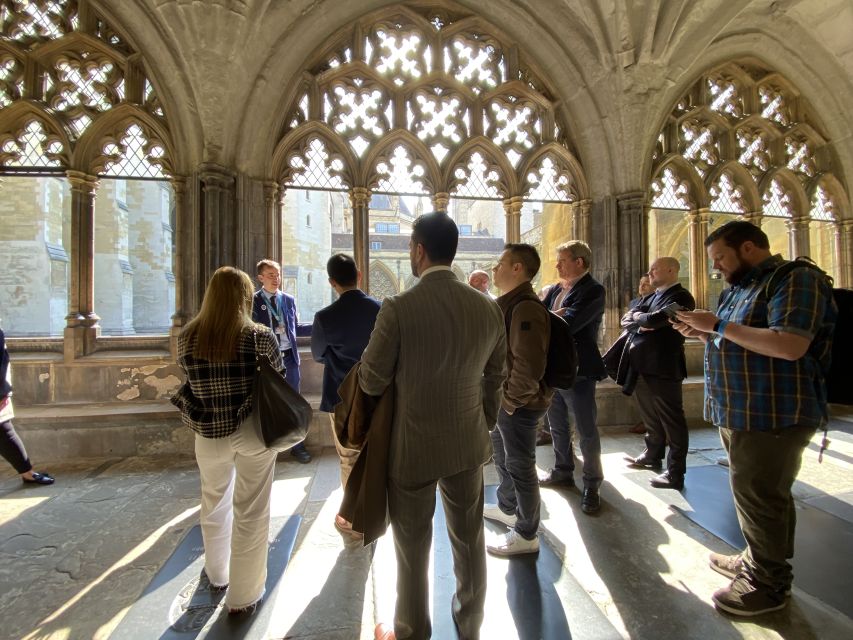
pixel 435 109
pixel 91 112
pixel 746 146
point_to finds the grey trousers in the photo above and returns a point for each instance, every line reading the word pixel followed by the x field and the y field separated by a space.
pixel 762 468
pixel 411 507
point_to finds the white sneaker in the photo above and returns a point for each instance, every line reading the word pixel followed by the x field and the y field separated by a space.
pixel 512 544
pixel 492 511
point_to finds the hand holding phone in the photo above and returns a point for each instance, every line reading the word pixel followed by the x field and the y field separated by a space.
pixel 672 308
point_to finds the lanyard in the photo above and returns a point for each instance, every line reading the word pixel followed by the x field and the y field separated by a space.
pixel 275 312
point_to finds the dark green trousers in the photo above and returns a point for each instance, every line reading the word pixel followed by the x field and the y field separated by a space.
pixel 762 468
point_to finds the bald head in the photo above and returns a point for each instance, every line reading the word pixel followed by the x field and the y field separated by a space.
pixel 479 280
pixel 663 272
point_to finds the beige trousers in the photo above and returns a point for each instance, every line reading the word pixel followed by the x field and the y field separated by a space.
pixel 236 481
pixel 347 456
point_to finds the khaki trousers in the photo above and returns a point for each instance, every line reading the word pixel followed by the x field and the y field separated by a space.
pixel 347 456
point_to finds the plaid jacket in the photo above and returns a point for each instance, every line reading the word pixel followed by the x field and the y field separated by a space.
pixel 747 391
pixel 217 396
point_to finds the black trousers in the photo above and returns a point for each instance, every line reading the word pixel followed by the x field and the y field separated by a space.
pixel 662 411
pixel 12 449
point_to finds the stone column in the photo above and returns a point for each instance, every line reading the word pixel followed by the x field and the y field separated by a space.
pixel 360 201
pixel 844 251
pixel 512 208
pixel 798 236
pixel 580 220
pixel 218 242
pixel 632 247
pixel 81 322
pixel 697 231
pixel 440 201
pixel 273 193
pixel 185 240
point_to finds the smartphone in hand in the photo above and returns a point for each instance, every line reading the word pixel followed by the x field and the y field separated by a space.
pixel 673 307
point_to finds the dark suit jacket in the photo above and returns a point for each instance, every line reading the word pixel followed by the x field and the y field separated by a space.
pixel 660 352
pixel 287 303
pixel 338 339
pixel 584 310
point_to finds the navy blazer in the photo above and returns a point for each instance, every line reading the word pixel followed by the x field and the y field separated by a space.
pixel 584 309
pixel 292 327
pixel 340 334
pixel 660 352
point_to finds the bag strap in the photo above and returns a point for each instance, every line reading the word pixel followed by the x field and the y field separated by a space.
pixel 770 289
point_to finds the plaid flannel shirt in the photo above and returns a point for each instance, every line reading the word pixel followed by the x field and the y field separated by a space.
pixel 746 391
pixel 217 396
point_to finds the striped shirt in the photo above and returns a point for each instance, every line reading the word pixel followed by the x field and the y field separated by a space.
pixel 746 391
pixel 217 396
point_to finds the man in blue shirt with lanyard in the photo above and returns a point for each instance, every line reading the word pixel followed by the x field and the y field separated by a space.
pixel 277 310
pixel 766 357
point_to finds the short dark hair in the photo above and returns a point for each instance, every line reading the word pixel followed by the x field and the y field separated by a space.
pixel 736 232
pixel 527 255
pixel 341 268
pixel 438 234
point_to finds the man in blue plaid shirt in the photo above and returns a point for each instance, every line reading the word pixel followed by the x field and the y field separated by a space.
pixel 766 356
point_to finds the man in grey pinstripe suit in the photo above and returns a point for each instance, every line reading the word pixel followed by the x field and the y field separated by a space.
pixel 443 345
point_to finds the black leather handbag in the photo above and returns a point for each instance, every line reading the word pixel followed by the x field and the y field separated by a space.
pixel 282 415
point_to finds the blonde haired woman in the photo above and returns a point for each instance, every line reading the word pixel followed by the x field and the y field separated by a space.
pixel 217 352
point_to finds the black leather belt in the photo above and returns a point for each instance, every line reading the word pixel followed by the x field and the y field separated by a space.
pixel 287 353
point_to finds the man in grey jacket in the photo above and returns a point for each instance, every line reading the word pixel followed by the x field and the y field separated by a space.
pixel 443 345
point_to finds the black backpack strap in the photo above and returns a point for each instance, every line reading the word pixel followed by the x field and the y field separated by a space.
pixel 770 289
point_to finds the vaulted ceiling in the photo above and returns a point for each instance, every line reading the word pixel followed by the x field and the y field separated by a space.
pixel 225 69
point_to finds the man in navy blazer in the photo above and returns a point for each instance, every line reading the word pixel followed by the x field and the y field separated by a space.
pixel 656 355
pixel 341 332
pixel 277 310
pixel 579 299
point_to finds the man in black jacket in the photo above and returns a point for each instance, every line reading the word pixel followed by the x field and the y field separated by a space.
pixel 338 338
pixel 656 356
pixel 580 300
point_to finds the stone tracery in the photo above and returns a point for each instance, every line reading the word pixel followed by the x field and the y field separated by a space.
pixel 760 123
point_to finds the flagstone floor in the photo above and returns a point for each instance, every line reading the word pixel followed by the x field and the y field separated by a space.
pixel 75 556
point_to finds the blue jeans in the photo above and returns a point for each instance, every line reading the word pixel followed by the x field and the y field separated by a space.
pixel 514 442
pixel 579 402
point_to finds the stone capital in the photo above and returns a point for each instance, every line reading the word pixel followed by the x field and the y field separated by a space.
pixel 359 197
pixel 82 182
pixel 215 177
pixel 440 201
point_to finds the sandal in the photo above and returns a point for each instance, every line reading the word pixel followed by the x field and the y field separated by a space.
pixel 39 478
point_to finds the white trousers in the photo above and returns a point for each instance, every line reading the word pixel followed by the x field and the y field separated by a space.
pixel 236 481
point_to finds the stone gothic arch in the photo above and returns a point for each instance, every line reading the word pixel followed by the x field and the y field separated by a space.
pixel 743 141
pixel 425 100
pixel 77 106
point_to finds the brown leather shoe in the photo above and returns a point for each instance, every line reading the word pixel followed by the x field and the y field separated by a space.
pixel 384 632
pixel 638 428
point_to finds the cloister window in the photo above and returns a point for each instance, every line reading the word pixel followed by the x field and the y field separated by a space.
pixel 742 143
pixel 412 109
pixel 85 152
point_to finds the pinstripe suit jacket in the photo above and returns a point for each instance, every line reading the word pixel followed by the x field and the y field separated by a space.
pixel 443 344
